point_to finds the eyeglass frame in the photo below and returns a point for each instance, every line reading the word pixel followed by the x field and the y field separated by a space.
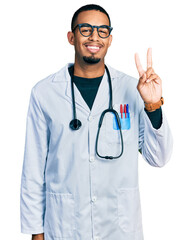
pixel 92 26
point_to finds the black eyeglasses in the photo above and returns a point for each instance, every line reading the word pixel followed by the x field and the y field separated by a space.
pixel 86 30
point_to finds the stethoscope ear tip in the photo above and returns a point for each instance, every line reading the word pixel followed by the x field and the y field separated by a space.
pixel 75 124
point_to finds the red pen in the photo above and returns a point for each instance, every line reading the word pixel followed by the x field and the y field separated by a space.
pixel 121 111
pixel 125 111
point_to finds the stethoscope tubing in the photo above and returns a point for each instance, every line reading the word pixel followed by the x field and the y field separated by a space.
pixel 75 124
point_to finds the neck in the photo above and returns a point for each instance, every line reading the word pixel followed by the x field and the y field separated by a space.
pixel 89 70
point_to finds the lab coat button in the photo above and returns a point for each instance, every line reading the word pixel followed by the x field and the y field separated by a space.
pixel 96 238
pixel 94 199
pixel 91 159
pixel 90 118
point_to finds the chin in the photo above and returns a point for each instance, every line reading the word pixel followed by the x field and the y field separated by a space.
pixel 91 60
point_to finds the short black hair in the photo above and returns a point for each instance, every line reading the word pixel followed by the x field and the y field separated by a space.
pixel 87 8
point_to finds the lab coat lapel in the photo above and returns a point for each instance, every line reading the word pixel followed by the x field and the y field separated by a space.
pixel 79 101
pixel 101 101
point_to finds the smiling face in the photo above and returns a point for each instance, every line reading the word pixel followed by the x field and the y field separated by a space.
pixel 92 49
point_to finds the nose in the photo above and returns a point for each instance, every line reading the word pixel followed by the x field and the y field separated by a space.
pixel 94 35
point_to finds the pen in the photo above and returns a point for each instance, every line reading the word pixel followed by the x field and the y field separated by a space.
pixel 125 111
pixel 121 111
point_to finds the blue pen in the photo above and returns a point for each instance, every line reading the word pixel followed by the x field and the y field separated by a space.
pixel 127 109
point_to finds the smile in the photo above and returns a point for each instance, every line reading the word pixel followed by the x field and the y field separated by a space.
pixel 93 48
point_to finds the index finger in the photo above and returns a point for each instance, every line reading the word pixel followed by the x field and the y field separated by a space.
pixel 138 65
pixel 149 58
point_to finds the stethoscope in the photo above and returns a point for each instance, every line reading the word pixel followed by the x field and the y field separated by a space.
pixel 75 124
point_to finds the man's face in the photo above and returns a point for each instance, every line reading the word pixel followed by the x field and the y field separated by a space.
pixel 90 49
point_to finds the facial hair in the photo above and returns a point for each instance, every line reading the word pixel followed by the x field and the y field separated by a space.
pixel 91 60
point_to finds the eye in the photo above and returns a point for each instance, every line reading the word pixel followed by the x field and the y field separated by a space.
pixel 102 31
pixel 86 29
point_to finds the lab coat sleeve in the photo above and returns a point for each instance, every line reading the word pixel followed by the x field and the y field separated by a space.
pixel 155 145
pixel 32 192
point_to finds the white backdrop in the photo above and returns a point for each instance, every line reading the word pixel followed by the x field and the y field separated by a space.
pixel 34 45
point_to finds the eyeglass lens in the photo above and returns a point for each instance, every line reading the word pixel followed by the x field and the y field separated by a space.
pixel 86 30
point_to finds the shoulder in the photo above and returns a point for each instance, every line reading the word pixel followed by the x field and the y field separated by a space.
pixel 117 75
pixel 47 80
pixel 47 83
pixel 125 88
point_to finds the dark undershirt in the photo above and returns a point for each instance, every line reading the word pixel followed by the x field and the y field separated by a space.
pixel 88 88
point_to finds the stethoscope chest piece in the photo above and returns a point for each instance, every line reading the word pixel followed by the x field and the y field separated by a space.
pixel 75 124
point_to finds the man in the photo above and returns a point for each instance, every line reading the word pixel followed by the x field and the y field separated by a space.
pixel 69 190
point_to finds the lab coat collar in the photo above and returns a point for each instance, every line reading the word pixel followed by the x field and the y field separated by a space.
pixel 101 101
pixel 63 74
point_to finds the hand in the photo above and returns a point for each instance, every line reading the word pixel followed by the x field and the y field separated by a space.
pixel 38 236
pixel 150 84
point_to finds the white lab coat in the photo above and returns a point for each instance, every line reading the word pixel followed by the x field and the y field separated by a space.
pixel 67 191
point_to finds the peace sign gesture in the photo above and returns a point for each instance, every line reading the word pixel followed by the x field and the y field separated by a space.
pixel 150 85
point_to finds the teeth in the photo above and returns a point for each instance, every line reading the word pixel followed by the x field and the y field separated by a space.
pixel 93 47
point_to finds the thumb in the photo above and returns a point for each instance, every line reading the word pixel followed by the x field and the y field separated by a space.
pixel 143 78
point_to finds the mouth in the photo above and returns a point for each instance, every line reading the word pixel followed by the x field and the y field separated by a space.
pixel 93 48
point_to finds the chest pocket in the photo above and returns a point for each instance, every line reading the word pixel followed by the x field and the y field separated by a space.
pixel 127 125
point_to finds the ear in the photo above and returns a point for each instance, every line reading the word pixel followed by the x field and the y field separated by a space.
pixel 110 40
pixel 70 36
